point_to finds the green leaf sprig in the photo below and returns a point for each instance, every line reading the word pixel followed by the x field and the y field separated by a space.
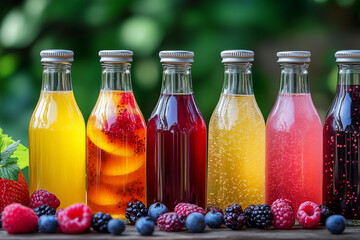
pixel 9 168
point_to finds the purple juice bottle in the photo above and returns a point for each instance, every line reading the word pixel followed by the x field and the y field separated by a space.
pixel 341 189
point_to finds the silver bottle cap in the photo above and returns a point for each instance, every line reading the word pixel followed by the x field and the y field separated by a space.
pixel 116 56
pixel 294 56
pixel 57 55
pixel 176 56
pixel 348 56
pixel 237 56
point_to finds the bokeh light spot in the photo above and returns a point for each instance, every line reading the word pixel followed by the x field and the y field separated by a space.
pixel 140 34
pixel 147 74
pixel 8 64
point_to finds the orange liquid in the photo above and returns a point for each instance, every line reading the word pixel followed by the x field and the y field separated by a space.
pixel 116 160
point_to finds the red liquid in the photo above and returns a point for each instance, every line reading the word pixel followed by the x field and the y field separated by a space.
pixel 341 190
pixel 176 152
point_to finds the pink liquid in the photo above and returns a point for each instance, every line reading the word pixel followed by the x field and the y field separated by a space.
pixel 294 150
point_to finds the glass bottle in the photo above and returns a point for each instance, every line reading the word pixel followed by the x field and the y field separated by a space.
pixel 294 136
pixel 236 162
pixel 57 133
pixel 341 190
pixel 176 138
pixel 116 130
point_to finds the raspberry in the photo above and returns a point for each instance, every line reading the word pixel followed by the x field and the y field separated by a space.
pixel 17 218
pixel 284 214
pixel 309 214
pixel 42 197
pixel 234 217
pixel 216 209
pixel 185 209
pixel 170 222
pixel 284 200
pixel 75 219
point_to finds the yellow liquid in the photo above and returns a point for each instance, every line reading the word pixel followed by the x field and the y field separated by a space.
pixel 236 162
pixel 57 147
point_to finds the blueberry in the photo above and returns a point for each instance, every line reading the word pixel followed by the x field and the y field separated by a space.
pixel 116 226
pixel 195 223
pixel 48 224
pixel 335 224
pixel 145 226
pixel 156 210
pixel 213 219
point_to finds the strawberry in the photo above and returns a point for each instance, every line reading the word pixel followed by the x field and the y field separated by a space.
pixel 13 186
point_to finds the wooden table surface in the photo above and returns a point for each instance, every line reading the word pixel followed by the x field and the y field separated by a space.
pixel 222 233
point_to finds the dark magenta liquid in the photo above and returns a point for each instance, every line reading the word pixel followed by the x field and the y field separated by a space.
pixel 176 152
pixel 341 189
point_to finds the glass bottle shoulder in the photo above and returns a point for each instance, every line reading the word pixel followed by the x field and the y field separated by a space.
pixel 235 111
pixel 344 112
pixel 176 112
pixel 113 105
pixel 293 110
pixel 56 108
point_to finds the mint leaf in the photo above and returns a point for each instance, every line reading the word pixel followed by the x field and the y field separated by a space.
pixel 5 140
pixel 22 152
pixel 11 172
pixel 9 151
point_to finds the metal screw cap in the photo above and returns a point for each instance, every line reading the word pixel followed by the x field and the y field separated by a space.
pixel 294 56
pixel 57 55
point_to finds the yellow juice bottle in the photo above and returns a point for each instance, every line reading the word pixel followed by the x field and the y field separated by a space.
pixel 236 161
pixel 57 134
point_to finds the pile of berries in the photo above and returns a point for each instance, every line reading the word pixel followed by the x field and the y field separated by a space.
pixel 42 216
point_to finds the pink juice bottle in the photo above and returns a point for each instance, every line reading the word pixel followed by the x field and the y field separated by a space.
pixel 294 136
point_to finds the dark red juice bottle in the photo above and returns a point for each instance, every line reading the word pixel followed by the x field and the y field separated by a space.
pixel 341 189
pixel 176 138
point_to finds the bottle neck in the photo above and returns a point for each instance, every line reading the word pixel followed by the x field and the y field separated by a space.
pixel 56 76
pixel 176 79
pixel 116 76
pixel 349 74
pixel 294 78
pixel 238 79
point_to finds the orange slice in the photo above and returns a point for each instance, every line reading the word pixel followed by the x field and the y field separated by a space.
pixel 124 179
pixel 102 196
pixel 101 140
pixel 116 165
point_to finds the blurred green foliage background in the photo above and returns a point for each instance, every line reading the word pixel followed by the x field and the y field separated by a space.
pixel 148 26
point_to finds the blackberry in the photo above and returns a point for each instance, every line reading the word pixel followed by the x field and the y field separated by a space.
pixel 234 217
pixel 325 213
pixel 259 216
pixel 135 210
pixel 248 211
pixel 99 222
pixel 44 210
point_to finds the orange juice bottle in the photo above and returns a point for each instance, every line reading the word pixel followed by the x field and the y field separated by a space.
pixel 57 133
pixel 116 131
